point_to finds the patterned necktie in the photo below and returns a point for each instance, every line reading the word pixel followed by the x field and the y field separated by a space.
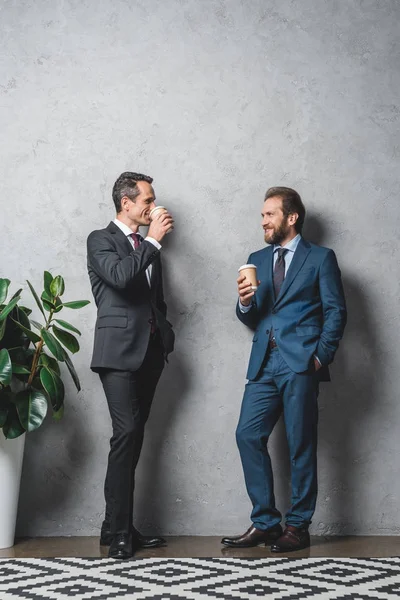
pixel 137 240
pixel 279 271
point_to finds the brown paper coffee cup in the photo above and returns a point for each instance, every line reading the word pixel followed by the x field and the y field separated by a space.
pixel 250 272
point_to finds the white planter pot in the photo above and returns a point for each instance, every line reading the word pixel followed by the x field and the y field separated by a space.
pixel 11 454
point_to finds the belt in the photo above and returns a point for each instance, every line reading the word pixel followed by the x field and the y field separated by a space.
pixel 272 343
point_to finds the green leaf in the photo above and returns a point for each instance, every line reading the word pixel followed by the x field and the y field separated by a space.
pixel 22 317
pixel 12 427
pixel 6 400
pixel 17 293
pixel 67 339
pixel 21 355
pixel 31 407
pixel 47 279
pixel 47 301
pixel 5 367
pixel 76 304
pixel 57 286
pixel 37 384
pixel 54 387
pixel 2 328
pixel 34 337
pixel 9 307
pixel 53 345
pixel 67 326
pixel 20 369
pixel 17 326
pixel 27 311
pixel 47 305
pixel 58 415
pixel 71 369
pixel 36 324
pixel 34 294
pixel 4 285
pixel 59 305
pixel 50 362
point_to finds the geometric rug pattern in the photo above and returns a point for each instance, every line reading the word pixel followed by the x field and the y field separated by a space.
pixel 200 578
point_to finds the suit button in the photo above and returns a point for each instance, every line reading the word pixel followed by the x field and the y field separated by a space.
pixel 267 331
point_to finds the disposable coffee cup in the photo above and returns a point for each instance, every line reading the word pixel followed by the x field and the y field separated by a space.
pixel 250 272
pixel 156 211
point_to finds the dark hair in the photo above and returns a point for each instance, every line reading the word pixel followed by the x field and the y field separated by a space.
pixel 126 186
pixel 291 203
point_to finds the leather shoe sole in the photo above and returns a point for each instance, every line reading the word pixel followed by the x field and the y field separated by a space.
pixel 254 537
pixel 106 539
pixel 290 542
pixel 276 548
pixel 119 553
pixel 121 547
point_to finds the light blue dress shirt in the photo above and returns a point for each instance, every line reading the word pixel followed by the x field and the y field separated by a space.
pixel 291 247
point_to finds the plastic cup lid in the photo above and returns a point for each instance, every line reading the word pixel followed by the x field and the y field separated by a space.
pixel 157 208
pixel 247 267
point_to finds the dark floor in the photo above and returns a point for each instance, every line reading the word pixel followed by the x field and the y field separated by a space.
pixel 197 546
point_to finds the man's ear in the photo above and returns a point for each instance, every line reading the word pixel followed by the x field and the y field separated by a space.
pixel 125 202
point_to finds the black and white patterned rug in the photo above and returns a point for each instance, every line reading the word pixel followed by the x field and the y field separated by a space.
pixel 200 578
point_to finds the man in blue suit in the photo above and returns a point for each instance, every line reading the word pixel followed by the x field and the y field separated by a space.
pixel 298 314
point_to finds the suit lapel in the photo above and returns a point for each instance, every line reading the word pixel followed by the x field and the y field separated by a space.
pixel 298 259
pixel 264 274
pixel 120 238
pixel 267 268
pixel 154 275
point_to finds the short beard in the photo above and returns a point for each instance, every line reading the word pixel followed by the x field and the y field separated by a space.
pixel 279 234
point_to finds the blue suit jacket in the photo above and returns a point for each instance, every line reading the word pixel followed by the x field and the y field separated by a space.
pixel 309 315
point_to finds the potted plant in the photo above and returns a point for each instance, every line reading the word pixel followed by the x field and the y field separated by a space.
pixel 30 379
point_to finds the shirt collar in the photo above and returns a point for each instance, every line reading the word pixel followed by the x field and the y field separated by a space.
pixel 291 246
pixel 124 228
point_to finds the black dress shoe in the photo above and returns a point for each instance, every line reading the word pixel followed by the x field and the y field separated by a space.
pixel 106 537
pixel 254 537
pixel 146 541
pixel 293 538
pixel 121 547
pixel 138 540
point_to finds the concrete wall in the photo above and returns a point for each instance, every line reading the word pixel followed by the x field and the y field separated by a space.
pixel 216 100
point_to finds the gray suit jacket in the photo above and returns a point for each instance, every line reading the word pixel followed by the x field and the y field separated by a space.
pixel 125 302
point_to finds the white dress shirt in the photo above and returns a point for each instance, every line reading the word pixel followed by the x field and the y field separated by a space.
pixel 127 231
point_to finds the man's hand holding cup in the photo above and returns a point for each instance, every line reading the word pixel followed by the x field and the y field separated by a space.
pixel 247 283
pixel 161 223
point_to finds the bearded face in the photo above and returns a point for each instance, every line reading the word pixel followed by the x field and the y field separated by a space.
pixel 276 233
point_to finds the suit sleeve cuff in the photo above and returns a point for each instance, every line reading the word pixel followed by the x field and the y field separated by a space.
pixel 244 309
pixel 154 242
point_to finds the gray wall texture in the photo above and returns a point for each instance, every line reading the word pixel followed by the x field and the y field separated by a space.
pixel 217 100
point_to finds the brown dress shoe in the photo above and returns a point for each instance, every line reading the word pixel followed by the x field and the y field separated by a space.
pixel 293 538
pixel 254 537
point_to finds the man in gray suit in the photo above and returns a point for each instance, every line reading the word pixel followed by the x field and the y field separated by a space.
pixel 131 342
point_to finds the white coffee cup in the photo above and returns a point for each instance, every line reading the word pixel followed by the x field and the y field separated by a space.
pixel 155 211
